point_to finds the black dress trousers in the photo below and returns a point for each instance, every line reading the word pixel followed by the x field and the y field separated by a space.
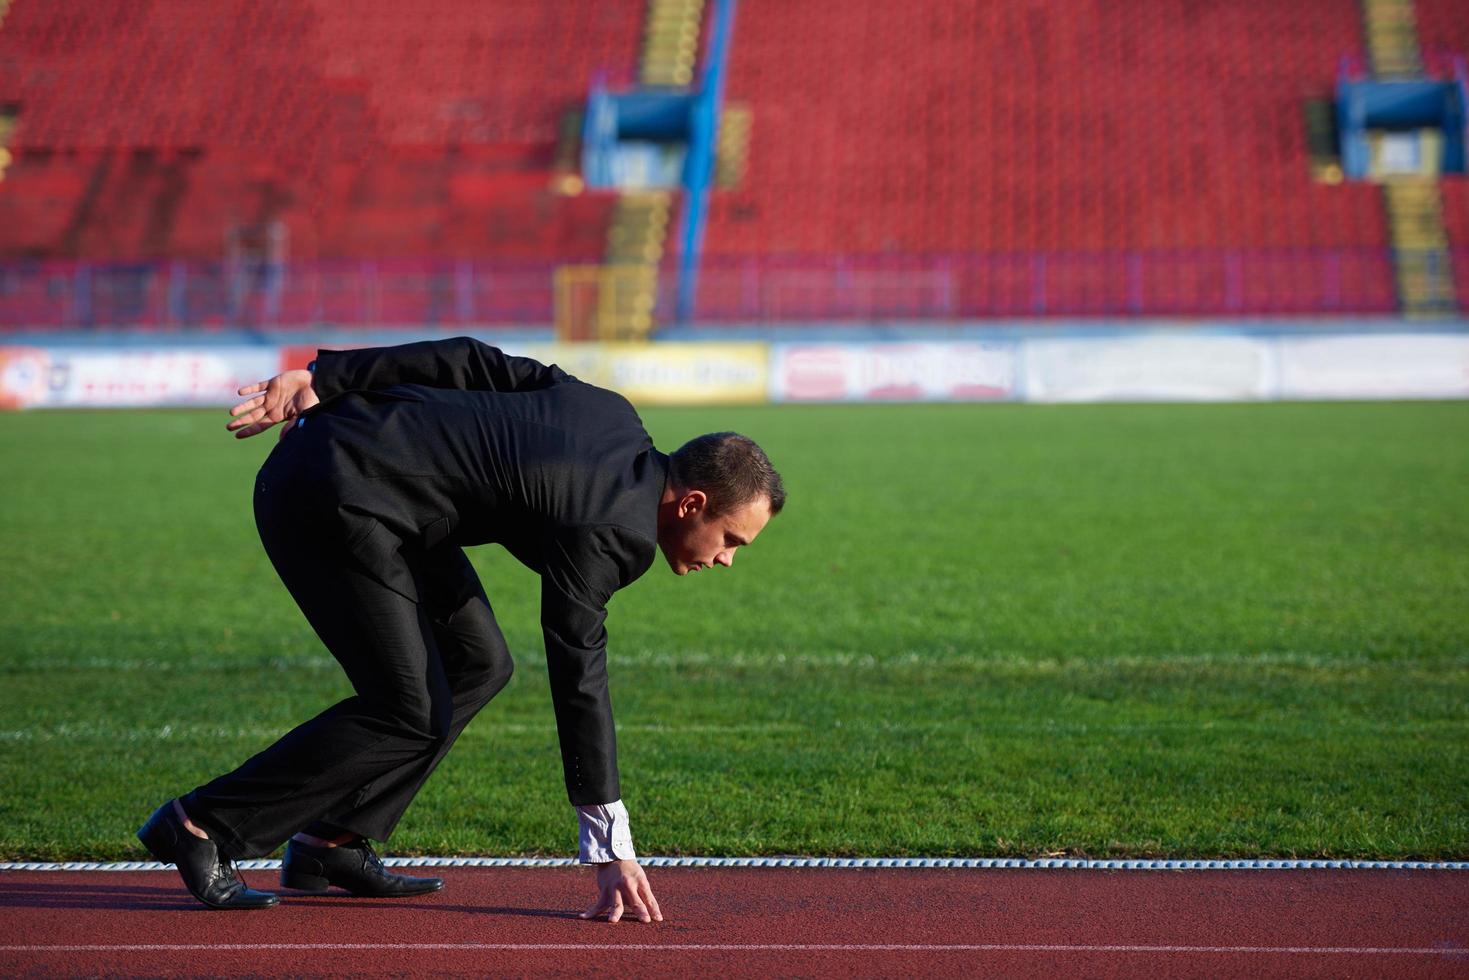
pixel 419 673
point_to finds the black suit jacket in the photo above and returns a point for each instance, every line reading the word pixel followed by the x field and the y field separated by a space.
pixel 421 449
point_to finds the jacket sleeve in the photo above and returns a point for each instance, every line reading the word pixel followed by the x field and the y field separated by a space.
pixel 580 573
pixel 462 362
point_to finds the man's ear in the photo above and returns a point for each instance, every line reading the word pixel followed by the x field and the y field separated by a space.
pixel 692 502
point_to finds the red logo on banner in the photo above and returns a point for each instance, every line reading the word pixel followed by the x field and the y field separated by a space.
pixel 814 373
pixel 23 373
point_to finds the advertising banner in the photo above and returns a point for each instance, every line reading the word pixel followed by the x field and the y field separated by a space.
pixel 667 374
pixel 24 372
pixel 959 371
pixel 1149 367
pixel 123 377
pixel 1142 366
pixel 1375 366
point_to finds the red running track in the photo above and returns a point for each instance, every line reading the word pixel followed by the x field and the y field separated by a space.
pixel 763 922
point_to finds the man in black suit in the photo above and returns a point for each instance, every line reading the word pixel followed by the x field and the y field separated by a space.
pixel 393 459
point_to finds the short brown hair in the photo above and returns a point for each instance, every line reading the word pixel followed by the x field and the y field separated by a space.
pixel 730 468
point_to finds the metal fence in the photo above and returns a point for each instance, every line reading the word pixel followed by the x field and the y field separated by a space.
pixel 1040 284
pixel 296 293
pixel 447 292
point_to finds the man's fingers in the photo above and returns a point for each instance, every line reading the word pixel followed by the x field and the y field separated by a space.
pixel 251 389
pixel 625 892
pixel 248 404
pixel 602 904
pixel 251 430
pixel 649 900
pixel 635 903
pixel 245 419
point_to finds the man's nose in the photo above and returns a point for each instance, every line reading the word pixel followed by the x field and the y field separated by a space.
pixel 725 558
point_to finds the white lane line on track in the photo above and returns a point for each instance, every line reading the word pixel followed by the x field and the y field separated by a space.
pixel 654 861
pixel 736 947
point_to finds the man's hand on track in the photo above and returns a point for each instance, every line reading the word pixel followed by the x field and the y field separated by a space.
pixel 622 886
pixel 281 399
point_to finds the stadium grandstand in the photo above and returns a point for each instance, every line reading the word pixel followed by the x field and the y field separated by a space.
pixel 621 167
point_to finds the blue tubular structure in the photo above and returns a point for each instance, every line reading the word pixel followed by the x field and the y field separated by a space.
pixel 669 115
pixel 598 136
pixel 699 166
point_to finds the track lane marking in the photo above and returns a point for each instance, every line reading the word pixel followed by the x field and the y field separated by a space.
pixel 740 947
pixel 883 863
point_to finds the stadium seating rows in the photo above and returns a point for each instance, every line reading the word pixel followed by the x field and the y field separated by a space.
pixel 1455 190
pixel 152 128
pixel 1042 127
pixel 1443 27
pixel 952 159
pixel 1169 125
pixel 304 77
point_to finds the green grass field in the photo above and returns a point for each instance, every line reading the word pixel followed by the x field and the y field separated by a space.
pixel 1186 631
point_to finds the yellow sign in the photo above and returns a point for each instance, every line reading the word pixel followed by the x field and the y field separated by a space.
pixel 669 373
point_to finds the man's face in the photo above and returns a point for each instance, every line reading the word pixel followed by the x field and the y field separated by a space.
pixel 691 539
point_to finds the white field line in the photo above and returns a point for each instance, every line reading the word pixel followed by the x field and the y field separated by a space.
pixel 736 948
pixel 1001 660
pixel 92 731
pixel 1098 864
pixel 84 731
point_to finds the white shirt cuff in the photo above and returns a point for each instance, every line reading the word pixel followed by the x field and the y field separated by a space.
pixel 605 834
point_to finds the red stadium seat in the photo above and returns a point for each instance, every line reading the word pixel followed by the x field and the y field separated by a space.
pixel 956 159
pixel 1071 129
pixel 358 124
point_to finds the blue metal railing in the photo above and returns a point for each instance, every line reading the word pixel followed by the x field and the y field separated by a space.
pixel 1181 282
pixel 184 293
pixel 479 293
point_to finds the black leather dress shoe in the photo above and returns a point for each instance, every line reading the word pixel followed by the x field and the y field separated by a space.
pixel 211 879
pixel 355 867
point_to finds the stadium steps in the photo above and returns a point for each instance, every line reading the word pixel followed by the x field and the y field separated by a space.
pixel 1392 38
pixel 671 42
pixel 634 249
pixel 1420 248
pixel 732 155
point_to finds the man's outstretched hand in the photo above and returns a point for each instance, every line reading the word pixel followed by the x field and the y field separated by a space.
pixel 281 399
pixel 622 887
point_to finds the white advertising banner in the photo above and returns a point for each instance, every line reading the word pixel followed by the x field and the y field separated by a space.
pixel 1149 367
pixel 121 377
pixel 958 371
pixel 1375 366
pixel 1143 366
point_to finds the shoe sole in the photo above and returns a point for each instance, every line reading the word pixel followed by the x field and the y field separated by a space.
pixel 403 894
pixel 314 885
pixel 310 884
pixel 155 846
